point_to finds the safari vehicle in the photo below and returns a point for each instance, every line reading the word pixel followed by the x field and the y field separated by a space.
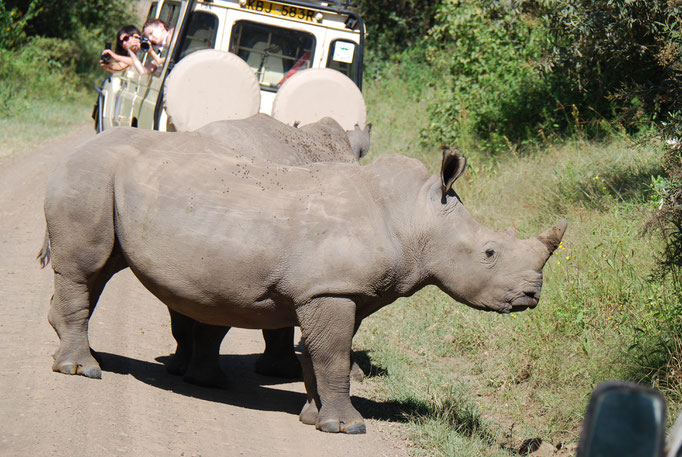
pixel 275 39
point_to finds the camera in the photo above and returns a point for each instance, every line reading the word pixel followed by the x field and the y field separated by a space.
pixel 144 43
pixel 104 58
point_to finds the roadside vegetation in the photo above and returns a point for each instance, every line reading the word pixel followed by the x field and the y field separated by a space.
pixel 562 113
pixel 48 65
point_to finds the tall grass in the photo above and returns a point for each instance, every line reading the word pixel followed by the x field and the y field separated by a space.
pixel 473 383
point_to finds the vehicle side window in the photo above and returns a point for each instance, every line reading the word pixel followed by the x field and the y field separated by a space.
pixel 201 33
pixel 274 53
pixel 152 10
pixel 170 13
pixel 342 57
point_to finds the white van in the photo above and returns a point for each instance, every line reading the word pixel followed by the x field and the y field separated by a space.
pixel 276 39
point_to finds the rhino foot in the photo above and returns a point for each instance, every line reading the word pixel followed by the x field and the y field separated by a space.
pixel 347 420
pixel 309 413
pixel 177 363
pixel 89 369
pixel 206 376
pixel 287 367
pixel 336 426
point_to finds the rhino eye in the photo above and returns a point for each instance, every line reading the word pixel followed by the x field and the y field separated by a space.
pixel 490 253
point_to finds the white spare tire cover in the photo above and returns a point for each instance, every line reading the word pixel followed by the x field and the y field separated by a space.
pixel 207 86
pixel 312 94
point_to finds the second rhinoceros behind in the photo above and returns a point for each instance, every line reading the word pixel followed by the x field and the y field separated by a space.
pixel 235 241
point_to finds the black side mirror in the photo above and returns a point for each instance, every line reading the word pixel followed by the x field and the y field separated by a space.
pixel 623 420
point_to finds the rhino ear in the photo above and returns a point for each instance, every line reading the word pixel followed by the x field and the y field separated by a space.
pixel 454 164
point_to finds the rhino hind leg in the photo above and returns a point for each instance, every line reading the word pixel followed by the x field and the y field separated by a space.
pixel 70 310
pixel 328 325
pixel 71 306
pixel 279 358
pixel 204 364
pixel 69 315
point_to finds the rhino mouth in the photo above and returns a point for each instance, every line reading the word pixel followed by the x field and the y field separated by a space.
pixel 527 300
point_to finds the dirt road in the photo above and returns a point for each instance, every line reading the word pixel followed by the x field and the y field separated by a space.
pixel 136 409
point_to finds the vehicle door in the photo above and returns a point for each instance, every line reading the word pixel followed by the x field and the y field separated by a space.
pixel 149 85
pixel 123 107
pixel 193 30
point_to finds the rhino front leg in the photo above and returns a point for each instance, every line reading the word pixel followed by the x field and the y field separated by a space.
pixel 327 326
pixel 310 410
pixel 69 315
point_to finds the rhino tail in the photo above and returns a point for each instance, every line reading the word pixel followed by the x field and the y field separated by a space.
pixel 359 140
pixel 44 254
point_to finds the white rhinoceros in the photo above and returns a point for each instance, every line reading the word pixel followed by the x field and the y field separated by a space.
pixel 231 240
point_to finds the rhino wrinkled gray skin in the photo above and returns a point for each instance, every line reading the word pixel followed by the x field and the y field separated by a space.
pixel 231 240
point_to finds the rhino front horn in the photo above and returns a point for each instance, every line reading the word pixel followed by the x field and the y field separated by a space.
pixel 552 236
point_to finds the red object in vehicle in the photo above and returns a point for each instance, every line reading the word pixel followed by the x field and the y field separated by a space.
pixel 297 66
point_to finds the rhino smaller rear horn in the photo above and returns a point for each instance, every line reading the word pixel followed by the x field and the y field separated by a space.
pixel 454 164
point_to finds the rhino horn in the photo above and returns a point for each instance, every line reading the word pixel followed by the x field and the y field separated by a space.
pixel 552 236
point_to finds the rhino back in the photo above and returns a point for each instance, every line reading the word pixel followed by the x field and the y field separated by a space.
pixel 264 137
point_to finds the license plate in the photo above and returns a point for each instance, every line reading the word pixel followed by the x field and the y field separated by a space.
pixel 277 9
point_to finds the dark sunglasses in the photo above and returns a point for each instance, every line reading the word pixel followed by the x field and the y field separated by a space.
pixel 126 38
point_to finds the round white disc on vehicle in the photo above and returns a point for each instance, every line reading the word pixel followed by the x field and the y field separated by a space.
pixel 312 94
pixel 207 86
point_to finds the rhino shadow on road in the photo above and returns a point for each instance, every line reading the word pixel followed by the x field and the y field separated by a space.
pixel 251 391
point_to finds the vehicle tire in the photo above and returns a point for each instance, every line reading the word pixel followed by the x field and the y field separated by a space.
pixel 208 86
pixel 312 94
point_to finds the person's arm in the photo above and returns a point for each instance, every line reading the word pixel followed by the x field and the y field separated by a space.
pixel 137 64
pixel 116 62
pixel 158 61
pixel 113 67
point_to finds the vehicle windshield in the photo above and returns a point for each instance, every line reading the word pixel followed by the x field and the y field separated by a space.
pixel 274 53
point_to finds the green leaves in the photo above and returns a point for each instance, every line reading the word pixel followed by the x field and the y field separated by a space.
pixel 49 49
pixel 491 56
pixel 13 22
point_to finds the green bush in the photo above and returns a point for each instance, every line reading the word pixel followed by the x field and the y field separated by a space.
pixel 60 19
pixel 13 22
pixel 49 50
pixel 43 68
pixel 518 71
pixel 490 57
pixel 618 57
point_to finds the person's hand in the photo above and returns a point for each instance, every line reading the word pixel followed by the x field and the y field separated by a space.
pixel 107 52
pixel 133 44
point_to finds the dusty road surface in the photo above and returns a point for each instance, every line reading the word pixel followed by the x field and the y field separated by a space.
pixel 136 409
